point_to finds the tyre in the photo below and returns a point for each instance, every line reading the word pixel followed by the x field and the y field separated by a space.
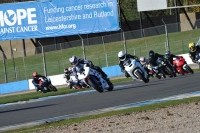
pixel 188 69
pixel 94 84
pixel 52 88
pixel 170 71
pixel 110 85
pixel 141 76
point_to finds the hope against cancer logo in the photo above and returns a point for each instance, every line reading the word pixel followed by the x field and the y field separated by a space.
pixel 10 17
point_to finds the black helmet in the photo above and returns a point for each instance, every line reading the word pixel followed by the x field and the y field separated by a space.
pixel 167 53
pixel 151 53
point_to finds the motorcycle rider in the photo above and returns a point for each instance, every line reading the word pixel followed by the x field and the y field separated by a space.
pixel 67 73
pixel 122 57
pixel 145 63
pixel 75 61
pixel 36 80
pixel 193 48
pixel 152 60
pixel 170 56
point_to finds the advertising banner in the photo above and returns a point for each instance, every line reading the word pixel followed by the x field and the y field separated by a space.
pixel 52 18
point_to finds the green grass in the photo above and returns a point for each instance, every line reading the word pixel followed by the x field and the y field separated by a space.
pixel 34 95
pixel 56 61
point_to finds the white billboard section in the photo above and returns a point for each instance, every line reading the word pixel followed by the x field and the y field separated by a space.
pixel 148 5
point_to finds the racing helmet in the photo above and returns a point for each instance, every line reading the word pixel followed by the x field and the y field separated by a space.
pixel 66 70
pixel 35 74
pixel 192 47
pixel 73 60
pixel 122 55
pixel 151 54
pixel 142 60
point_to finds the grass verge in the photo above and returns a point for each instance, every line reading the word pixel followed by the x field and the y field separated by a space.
pixel 35 95
pixel 111 113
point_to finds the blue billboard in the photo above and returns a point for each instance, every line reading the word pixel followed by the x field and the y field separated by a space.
pixel 50 18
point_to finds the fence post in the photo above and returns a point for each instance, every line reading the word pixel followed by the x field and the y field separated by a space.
pixel 4 64
pixel 106 59
pixel 103 44
pixel 124 39
pixel 167 40
pixel 44 61
pixel 83 47
pixel 24 67
pixel 12 56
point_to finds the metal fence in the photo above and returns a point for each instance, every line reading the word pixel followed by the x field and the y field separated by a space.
pixel 103 50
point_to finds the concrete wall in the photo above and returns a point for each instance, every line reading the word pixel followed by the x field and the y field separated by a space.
pixel 17 46
pixel 185 24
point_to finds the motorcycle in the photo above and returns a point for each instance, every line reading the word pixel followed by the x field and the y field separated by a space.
pixel 72 82
pixel 198 58
pixel 165 67
pixel 152 72
pixel 93 78
pixel 181 66
pixel 46 84
pixel 136 70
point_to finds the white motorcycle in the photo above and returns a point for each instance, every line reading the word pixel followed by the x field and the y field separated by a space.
pixel 136 70
pixel 73 83
pixel 93 78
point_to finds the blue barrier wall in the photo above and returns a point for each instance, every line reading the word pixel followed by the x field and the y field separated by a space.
pixel 18 86
pixel 112 71
pixel 14 87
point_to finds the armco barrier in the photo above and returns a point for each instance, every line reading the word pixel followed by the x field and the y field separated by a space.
pixel 58 80
pixel 14 87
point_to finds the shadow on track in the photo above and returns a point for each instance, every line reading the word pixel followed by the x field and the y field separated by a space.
pixel 26 108
pixel 138 86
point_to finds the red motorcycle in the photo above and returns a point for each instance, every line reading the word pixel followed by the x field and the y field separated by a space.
pixel 181 66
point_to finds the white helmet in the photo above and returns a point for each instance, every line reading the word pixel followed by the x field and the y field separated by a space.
pixel 122 55
pixel 73 60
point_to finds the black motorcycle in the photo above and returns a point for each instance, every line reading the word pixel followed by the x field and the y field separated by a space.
pixel 46 84
pixel 165 67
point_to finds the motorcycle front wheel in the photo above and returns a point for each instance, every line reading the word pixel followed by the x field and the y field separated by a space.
pixel 52 88
pixel 188 69
pixel 170 71
pixel 141 76
pixel 110 85
pixel 94 84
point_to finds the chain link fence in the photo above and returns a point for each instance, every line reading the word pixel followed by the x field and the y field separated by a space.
pixel 102 51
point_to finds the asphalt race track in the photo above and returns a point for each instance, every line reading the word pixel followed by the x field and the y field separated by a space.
pixel 129 92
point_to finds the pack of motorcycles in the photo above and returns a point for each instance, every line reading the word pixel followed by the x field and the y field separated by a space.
pixel 137 71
